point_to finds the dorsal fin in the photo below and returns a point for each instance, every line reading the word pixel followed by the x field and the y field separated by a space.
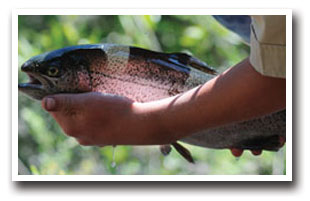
pixel 193 62
pixel 177 61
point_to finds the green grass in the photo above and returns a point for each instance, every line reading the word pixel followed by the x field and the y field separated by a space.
pixel 44 149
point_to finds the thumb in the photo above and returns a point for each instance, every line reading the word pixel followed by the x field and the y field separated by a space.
pixel 58 103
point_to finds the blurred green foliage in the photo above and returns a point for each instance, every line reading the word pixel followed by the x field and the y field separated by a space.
pixel 44 149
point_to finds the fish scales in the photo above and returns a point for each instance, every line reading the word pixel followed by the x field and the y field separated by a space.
pixel 141 71
pixel 145 75
pixel 126 72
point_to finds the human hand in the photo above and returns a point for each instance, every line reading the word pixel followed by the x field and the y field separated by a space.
pixel 99 119
pixel 102 119
pixel 238 152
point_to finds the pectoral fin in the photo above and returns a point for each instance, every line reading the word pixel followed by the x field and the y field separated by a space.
pixel 165 149
pixel 183 151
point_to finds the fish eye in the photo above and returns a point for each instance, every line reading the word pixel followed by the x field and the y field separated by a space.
pixel 52 71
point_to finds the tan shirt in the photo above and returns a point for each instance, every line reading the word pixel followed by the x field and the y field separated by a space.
pixel 268 44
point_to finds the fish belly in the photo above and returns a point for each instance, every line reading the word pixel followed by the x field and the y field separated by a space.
pixel 143 81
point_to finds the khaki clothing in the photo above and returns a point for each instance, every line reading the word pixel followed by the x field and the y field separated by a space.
pixel 268 45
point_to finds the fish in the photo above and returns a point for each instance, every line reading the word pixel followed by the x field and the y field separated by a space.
pixel 145 75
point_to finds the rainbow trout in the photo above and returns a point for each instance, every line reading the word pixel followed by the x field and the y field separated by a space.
pixel 144 75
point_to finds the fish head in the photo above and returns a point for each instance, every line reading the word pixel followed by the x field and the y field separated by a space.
pixel 65 70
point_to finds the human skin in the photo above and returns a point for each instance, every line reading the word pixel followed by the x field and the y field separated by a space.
pixel 240 93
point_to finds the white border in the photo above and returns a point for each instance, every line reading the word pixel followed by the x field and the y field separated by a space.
pixel 287 177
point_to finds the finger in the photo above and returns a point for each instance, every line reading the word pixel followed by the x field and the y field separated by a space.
pixel 48 103
pixel 236 152
pixel 63 102
pixel 256 152
pixel 282 141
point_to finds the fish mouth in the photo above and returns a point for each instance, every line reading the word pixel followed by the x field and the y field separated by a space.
pixel 33 83
pixel 36 87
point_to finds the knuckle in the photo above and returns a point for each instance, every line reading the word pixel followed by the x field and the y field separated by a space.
pixel 68 105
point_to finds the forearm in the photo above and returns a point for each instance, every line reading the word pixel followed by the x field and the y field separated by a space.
pixel 238 94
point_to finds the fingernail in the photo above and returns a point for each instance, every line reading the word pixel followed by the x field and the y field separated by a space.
pixel 49 104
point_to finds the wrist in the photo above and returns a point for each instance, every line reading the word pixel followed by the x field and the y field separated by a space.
pixel 152 121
